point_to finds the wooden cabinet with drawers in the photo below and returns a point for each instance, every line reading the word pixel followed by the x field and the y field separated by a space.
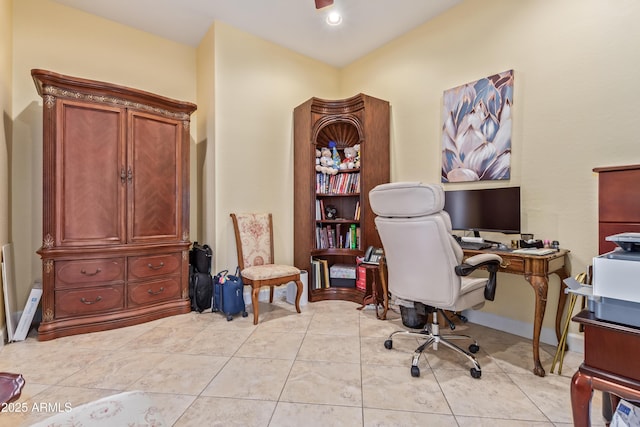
pixel 618 203
pixel 115 205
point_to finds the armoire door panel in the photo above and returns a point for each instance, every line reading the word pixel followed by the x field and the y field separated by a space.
pixel 154 156
pixel 89 160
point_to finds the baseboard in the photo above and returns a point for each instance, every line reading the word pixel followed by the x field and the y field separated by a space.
pixel 523 329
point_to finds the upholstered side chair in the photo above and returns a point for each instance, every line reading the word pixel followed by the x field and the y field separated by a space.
pixel 254 243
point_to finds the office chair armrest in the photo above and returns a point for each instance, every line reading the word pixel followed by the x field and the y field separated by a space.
pixel 491 262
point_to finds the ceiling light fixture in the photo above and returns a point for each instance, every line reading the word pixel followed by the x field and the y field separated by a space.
pixel 334 18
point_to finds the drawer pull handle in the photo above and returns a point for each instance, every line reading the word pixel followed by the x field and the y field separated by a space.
pixel 153 267
pixel 84 301
pixel 83 271
pixel 505 264
pixel 150 292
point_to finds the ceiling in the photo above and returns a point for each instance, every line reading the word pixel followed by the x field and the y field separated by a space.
pixel 294 24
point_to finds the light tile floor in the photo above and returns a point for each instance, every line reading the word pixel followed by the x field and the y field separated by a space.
pixel 324 367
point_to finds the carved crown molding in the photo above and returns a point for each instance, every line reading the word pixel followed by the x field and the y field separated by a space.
pixel 112 100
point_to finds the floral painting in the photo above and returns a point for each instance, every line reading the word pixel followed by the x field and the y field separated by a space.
pixel 476 130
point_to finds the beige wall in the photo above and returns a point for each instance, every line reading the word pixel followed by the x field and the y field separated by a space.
pixel 575 105
pixel 6 45
pixel 61 39
pixel 257 85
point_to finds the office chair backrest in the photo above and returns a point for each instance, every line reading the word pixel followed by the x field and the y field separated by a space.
pixel 421 254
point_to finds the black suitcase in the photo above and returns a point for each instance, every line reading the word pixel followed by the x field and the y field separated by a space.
pixel 200 290
pixel 200 257
pixel 227 295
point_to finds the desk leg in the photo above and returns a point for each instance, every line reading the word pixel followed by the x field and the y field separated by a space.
pixel 562 299
pixel 385 297
pixel 540 286
pixel 581 391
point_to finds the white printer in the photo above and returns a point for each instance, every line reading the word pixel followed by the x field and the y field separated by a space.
pixel 616 281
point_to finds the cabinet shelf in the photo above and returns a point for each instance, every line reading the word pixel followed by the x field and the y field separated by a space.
pixel 362 120
pixel 337 252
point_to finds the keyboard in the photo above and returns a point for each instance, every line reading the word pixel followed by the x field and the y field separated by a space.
pixel 474 245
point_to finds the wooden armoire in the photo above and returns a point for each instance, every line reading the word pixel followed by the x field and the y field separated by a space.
pixel 115 230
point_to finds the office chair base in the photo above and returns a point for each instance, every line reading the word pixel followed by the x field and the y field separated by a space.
pixel 433 339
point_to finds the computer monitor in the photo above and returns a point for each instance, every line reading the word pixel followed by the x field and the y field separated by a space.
pixel 492 209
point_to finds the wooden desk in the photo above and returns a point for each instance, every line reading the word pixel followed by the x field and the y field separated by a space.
pixel 610 365
pixel 536 270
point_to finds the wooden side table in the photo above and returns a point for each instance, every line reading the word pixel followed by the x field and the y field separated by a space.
pixel 371 295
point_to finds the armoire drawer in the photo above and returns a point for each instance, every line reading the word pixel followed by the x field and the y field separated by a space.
pixel 87 301
pixel 144 267
pixel 150 292
pixel 88 271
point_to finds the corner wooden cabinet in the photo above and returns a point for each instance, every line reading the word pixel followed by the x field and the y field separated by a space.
pixel 618 203
pixel 362 120
pixel 115 205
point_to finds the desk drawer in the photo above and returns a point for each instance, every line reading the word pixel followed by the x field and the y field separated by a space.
pixel 610 350
pixel 512 264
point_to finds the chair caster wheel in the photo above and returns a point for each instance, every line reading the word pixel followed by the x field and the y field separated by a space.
pixel 475 373
pixel 473 348
pixel 245 314
pixel 229 318
pixel 388 344
pixel 415 371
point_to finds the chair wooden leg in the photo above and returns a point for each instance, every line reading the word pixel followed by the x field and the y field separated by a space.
pixel 254 301
pixel 298 294
pixel 271 294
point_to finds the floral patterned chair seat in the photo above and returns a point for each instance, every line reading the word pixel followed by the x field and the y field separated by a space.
pixel 254 243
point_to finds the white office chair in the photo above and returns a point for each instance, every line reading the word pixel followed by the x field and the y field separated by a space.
pixel 424 262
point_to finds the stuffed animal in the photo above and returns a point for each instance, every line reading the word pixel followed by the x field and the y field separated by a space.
pixel 356 162
pixel 350 154
pixel 326 163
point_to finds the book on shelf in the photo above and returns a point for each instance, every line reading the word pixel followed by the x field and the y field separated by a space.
pixel 320 273
pixel 325 272
pixel 315 274
pixel 331 237
pixel 341 183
